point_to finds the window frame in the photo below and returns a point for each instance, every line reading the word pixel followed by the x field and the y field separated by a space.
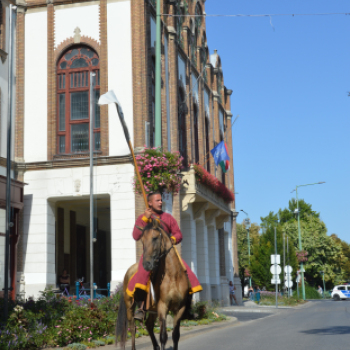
pixel 68 90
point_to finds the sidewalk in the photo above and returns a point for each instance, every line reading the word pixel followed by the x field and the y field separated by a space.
pixel 251 306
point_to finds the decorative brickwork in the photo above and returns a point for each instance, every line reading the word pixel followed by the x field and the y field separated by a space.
pixel 66 44
pixel 20 51
pixel 51 82
pixel 140 38
pixel 104 77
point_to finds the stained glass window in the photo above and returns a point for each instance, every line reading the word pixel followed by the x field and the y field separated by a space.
pixel 73 100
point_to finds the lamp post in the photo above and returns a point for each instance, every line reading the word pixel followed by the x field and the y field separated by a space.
pixel 324 286
pixel 247 225
pixel 297 211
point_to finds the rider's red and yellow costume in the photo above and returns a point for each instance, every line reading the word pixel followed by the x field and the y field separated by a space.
pixel 141 278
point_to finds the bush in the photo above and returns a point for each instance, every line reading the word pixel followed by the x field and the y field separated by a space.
pixel 52 322
pixel 310 292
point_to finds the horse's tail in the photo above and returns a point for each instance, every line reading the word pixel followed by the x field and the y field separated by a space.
pixel 121 329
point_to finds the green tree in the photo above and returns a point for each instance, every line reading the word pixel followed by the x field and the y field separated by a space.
pixel 324 253
pixel 261 261
pixel 242 244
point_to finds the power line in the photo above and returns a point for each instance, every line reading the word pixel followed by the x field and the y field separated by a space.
pixel 262 15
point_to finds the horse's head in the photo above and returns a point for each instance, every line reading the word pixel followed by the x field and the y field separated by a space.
pixel 152 244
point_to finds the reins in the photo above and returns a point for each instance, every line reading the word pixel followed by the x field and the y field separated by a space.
pixel 166 252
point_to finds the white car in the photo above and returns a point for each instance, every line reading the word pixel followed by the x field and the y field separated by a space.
pixel 341 292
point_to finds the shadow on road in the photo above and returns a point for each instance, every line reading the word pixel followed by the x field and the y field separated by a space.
pixel 329 331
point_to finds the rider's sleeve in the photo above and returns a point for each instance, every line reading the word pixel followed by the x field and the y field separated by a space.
pixel 140 223
pixel 176 234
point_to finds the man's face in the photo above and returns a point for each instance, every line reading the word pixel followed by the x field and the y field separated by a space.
pixel 156 202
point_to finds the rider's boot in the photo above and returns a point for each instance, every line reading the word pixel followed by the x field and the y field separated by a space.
pixel 140 313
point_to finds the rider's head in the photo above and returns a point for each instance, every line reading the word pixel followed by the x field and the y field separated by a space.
pixel 155 201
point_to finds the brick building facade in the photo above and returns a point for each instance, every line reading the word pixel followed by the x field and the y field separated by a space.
pixel 58 44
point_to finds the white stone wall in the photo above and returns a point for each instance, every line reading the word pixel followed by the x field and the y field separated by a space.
pixel 44 189
pixel 84 15
pixel 120 72
pixel 35 86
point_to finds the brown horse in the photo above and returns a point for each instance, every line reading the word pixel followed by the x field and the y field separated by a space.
pixel 171 287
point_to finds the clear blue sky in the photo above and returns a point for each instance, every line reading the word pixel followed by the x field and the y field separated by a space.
pixel 290 87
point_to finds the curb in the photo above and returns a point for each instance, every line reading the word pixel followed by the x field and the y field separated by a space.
pixel 186 332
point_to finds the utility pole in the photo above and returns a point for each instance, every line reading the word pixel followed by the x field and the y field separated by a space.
pixel 299 233
pixel 158 82
pixel 288 262
pixel 284 259
pixel 276 267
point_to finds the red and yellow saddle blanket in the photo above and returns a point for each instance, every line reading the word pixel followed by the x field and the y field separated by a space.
pixel 141 280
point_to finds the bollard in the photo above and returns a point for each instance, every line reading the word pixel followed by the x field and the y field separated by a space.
pixel 95 287
pixel 77 289
pixel 109 289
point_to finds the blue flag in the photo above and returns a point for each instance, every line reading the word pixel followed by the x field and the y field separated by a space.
pixel 221 156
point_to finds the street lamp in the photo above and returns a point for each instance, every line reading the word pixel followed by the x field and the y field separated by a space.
pixel 324 286
pixel 297 211
pixel 247 225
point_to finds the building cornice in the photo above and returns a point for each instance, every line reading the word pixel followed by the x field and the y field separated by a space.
pixel 72 163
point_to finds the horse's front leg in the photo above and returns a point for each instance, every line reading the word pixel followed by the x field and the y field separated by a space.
pixel 150 328
pixel 176 331
pixel 162 312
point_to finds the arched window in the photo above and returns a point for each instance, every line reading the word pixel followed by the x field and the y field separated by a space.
pixel 196 139
pixel 153 121
pixel 182 126
pixel 73 100
pixel 207 146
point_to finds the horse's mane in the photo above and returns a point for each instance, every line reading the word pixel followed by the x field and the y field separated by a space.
pixel 152 225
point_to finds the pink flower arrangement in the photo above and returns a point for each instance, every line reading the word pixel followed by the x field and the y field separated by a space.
pixel 302 256
pixel 209 180
pixel 159 171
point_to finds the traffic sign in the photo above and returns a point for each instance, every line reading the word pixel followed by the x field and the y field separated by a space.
pixel 275 259
pixel 288 269
pixel 275 269
pixel 275 281
pixel 288 284
pixel 288 277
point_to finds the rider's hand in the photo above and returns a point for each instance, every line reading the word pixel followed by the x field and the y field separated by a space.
pixel 148 213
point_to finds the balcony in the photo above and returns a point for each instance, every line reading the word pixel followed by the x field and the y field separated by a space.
pixel 204 199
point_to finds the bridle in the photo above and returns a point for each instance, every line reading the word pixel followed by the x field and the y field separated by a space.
pixel 165 252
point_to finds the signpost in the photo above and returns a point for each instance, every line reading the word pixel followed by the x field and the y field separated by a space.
pixel 275 269
pixel 288 278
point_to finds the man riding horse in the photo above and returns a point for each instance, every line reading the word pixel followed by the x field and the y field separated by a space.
pixel 141 279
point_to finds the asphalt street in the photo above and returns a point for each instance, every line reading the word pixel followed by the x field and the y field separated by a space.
pixel 320 325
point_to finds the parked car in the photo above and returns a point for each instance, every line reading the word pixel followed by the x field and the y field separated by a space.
pixel 341 292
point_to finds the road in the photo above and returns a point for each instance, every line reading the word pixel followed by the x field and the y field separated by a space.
pixel 321 325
